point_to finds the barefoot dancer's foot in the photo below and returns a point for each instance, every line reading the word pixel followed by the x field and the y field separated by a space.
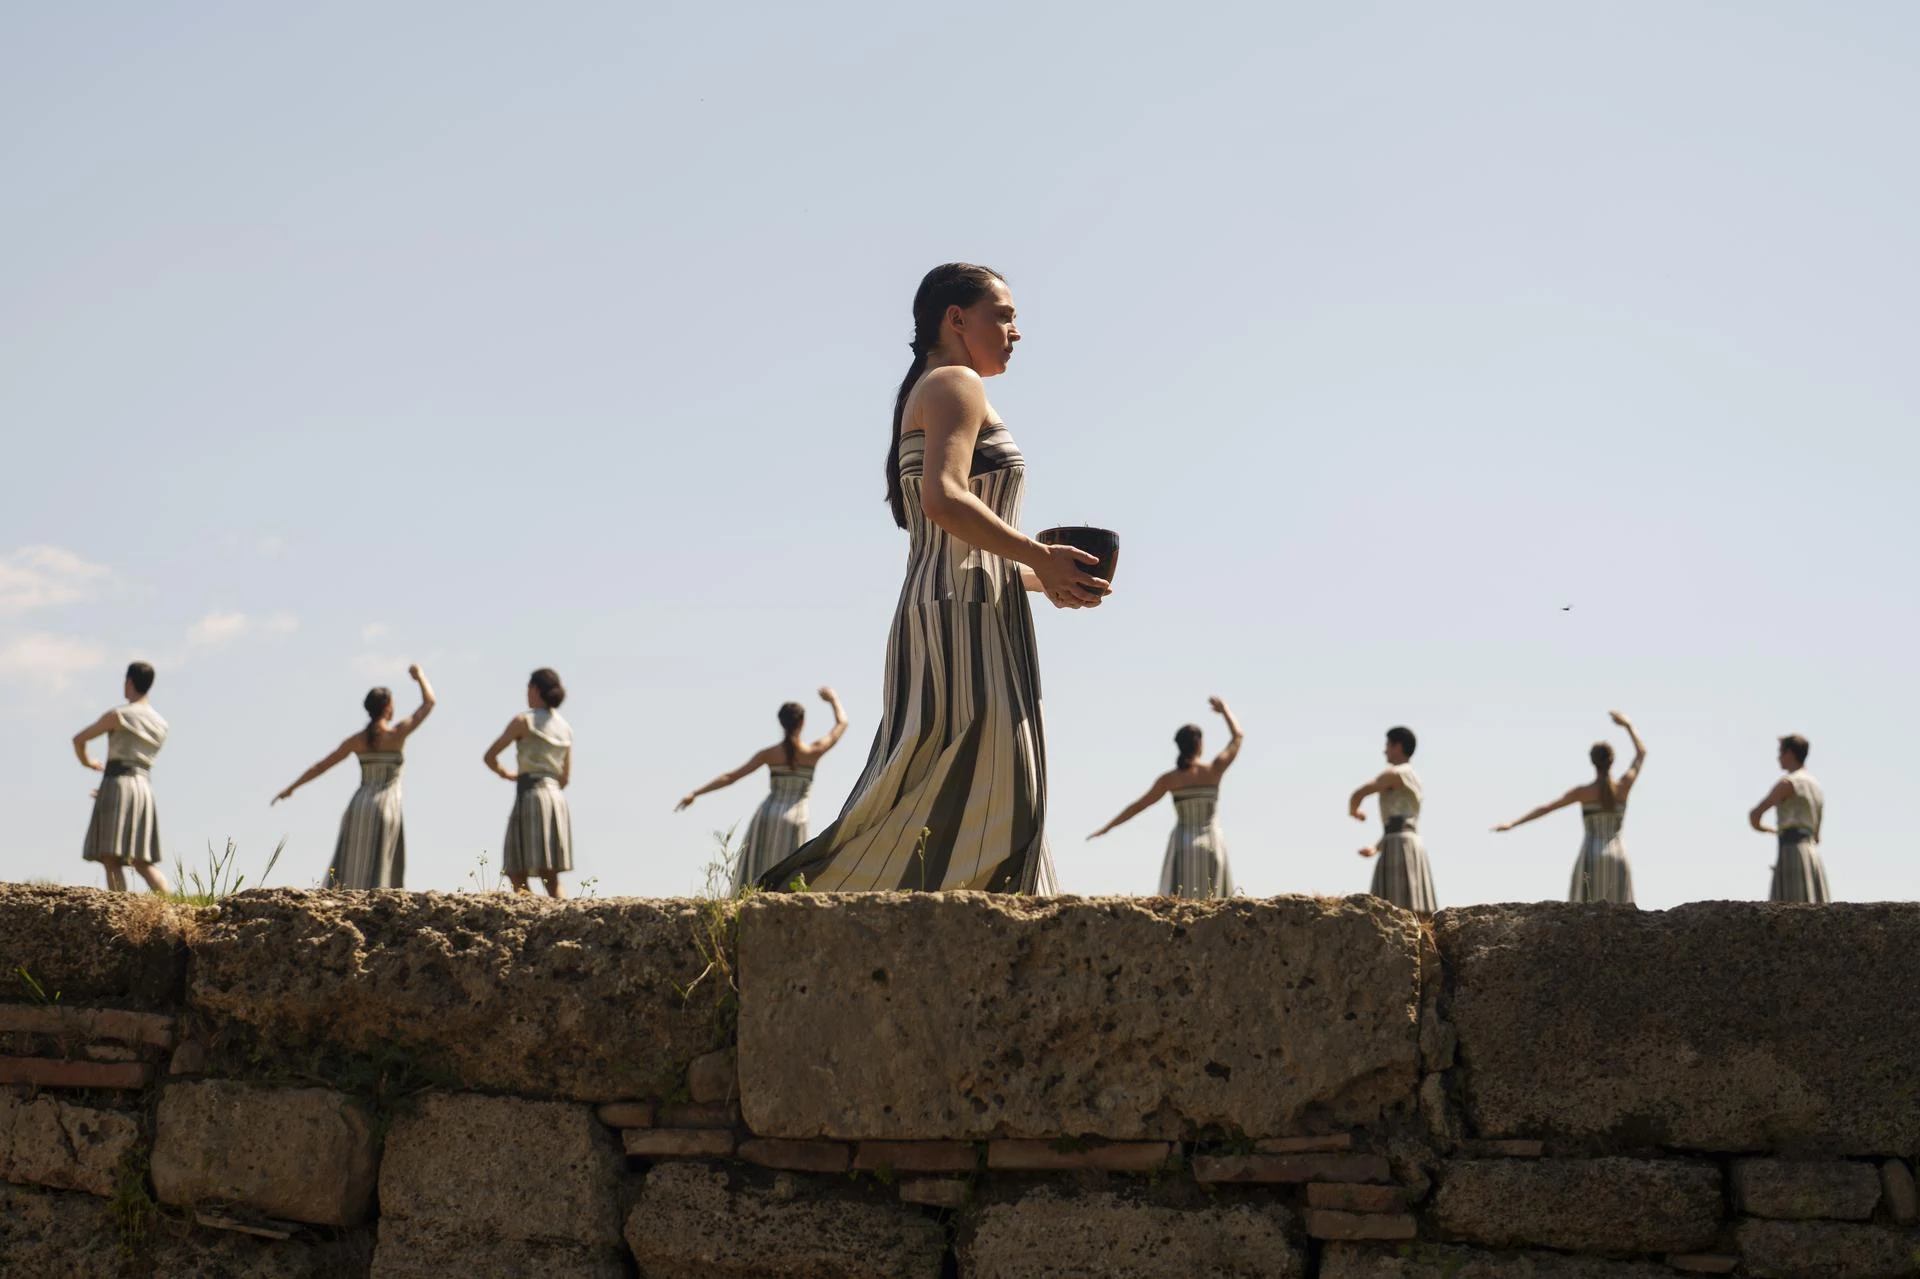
pixel 552 882
pixel 519 883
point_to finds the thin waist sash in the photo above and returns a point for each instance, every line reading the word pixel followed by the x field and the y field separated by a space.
pixel 1401 826
pixel 532 781
pixel 123 768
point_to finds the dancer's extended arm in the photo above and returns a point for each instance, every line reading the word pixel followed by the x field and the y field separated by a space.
pixel 1570 797
pixel 338 753
pixel 766 756
pixel 1136 808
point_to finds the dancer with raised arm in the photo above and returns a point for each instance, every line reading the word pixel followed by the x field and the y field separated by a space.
pixel 1799 873
pixel 372 849
pixel 954 794
pixel 1601 874
pixel 540 829
pixel 125 827
pixel 1402 875
pixel 1196 861
pixel 779 825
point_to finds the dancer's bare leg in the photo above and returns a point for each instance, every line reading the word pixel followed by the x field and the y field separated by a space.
pixel 519 882
pixel 116 876
pixel 552 880
pixel 150 871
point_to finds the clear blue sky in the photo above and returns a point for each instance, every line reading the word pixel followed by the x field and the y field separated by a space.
pixel 337 337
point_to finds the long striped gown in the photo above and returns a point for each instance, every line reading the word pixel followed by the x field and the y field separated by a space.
pixel 125 824
pixel 540 829
pixel 1196 862
pixel 959 754
pixel 1800 873
pixel 372 849
pixel 1601 874
pixel 779 825
pixel 1401 874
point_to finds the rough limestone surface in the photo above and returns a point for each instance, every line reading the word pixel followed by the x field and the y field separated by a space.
pixel 1580 1205
pixel 217 1254
pixel 581 1000
pixel 967 1015
pixel 502 1167
pixel 45 1141
pixel 51 1232
pixel 430 1250
pixel 690 1223
pixel 304 1154
pixel 92 946
pixel 1795 1189
pixel 1827 1250
pixel 1047 1235
pixel 1437 1261
pixel 1713 1026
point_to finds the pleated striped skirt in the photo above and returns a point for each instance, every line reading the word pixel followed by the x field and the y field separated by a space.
pixel 539 831
pixel 125 826
pixel 1401 874
pixel 1196 863
pixel 372 848
pixel 1601 874
pixel 778 828
pixel 1799 875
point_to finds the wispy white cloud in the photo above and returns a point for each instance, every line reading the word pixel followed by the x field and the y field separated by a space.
pixel 42 576
pixel 373 631
pixel 270 546
pixel 217 628
pixel 48 662
pixel 380 666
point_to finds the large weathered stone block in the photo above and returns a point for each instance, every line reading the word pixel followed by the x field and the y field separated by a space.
pixel 1713 1026
pixel 1827 1250
pixel 1580 1205
pixel 48 1142
pixel 52 1233
pixel 214 1254
pixel 1047 1235
pixel 689 1223
pixel 964 1015
pixel 1796 1189
pixel 502 1167
pixel 86 944
pixel 1436 1261
pixel 433 1250
pixel 594 1001
pixel 306 1154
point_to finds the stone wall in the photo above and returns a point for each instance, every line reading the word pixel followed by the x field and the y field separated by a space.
pixel 815 1087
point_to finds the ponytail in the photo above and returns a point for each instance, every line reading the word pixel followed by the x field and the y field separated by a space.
pixel 792 717
pixel 1188 739
pixel 377 703
pixel 1602 758
pixel 895 498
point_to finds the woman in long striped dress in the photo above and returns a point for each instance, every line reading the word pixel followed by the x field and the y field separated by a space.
pixel 125 827
pixel 1196 861
pixel 372 849
pixel 954 794
pixel 1601 874
pixel 540 829
pixel 1800 807
pixel 779 825
pixel 1401 875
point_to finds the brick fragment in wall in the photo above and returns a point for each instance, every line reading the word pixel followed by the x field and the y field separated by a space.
pixel 677 1143
pixel 57 1072
pixel 934 1192
pixel 1581 1205
pixel 625 1114
pixel 797 1156
pixel 917 1156
pixel 699 1114
pixel 116 1025
pixel 1356 1198
pixel 1416 1260
pixel 1806 1189
pixel 1050 1235
pixel 1331 1143
pixel 1048 1156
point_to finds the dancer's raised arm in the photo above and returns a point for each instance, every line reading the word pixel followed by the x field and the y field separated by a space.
pixel 1571 797
pixel 406 726
pixel 1628 778
pixel 839 729
pixel 1231 751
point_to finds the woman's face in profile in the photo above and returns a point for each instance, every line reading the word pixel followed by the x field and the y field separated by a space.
pixel 989 330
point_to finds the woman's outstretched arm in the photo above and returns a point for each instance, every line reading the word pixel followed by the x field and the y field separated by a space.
pixel 1568 798
pixel 728 779
pixel 1136 808
pixel 338 753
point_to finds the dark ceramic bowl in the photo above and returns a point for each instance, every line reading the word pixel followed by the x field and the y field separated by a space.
pixel 1101 542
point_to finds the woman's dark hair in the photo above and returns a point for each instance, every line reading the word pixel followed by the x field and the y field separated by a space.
pixel 1792 743
pixel 1403 738
pixel 792 716
pixel 1602 757
pixel 140 675
pixel 958 284
pixel 1188 740
pixel 379 701
pixel 547 683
